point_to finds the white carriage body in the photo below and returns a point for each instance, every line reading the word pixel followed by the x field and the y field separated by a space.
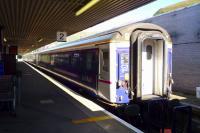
pixel 130 37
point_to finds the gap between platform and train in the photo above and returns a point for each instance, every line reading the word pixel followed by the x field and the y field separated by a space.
pixel 87 103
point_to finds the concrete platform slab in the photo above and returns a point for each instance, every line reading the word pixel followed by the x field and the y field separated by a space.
pixel 48 107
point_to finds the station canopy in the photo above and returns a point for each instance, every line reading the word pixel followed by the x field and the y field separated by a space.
pixel 30 24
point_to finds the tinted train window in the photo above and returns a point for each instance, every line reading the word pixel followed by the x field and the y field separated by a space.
pixel 106 61
pixel 89 61
pixel 74 59
pixel 67 59
pixel 45 58
pixel 149 52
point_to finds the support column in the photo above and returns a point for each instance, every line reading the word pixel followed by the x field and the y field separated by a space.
pixel 1 52
pixel 1 42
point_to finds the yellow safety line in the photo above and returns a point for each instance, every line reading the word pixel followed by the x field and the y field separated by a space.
pixel 91 119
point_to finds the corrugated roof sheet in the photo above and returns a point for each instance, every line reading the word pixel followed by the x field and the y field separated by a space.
pixel 27 21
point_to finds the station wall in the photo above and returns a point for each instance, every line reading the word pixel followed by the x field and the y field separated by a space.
pixel 183 26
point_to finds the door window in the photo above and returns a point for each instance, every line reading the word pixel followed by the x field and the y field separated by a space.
pixel 149 52
pixel 106 61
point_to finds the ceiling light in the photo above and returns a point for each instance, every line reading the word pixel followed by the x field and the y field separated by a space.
pixel 86 7
pixel 4 39
pixel 41 39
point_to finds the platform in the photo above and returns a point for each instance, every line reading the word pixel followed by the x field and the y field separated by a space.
pixel 47 107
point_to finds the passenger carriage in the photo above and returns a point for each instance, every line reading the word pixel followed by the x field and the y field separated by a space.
pixel 132 62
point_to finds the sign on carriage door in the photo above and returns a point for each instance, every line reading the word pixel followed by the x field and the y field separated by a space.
pixel 123 64
pixel 148 59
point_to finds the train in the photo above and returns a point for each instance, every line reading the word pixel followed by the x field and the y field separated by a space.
pixel 133 62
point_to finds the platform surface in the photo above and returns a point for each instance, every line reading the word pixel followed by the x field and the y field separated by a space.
pixel 45 108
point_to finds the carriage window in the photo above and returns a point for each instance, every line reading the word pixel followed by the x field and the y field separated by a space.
pixel 45 58
pixel 106 61
pixel 149 52
pixel 74 59
pixel 67 58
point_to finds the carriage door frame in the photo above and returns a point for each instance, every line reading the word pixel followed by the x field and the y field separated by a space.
pixel 136 40
pixel 104 72
pixel 158 64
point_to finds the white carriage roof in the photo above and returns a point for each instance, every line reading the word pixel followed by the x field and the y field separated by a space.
pixel 118 34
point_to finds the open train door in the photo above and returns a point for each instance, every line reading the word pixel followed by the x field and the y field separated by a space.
pixel 149 64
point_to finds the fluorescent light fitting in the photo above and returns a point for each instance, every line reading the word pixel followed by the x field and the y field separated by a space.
pixel 86 7
pixel 41 39
pixel 5 40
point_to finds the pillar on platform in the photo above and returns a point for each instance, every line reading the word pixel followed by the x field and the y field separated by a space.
pixel 1 42
pixel 1 48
